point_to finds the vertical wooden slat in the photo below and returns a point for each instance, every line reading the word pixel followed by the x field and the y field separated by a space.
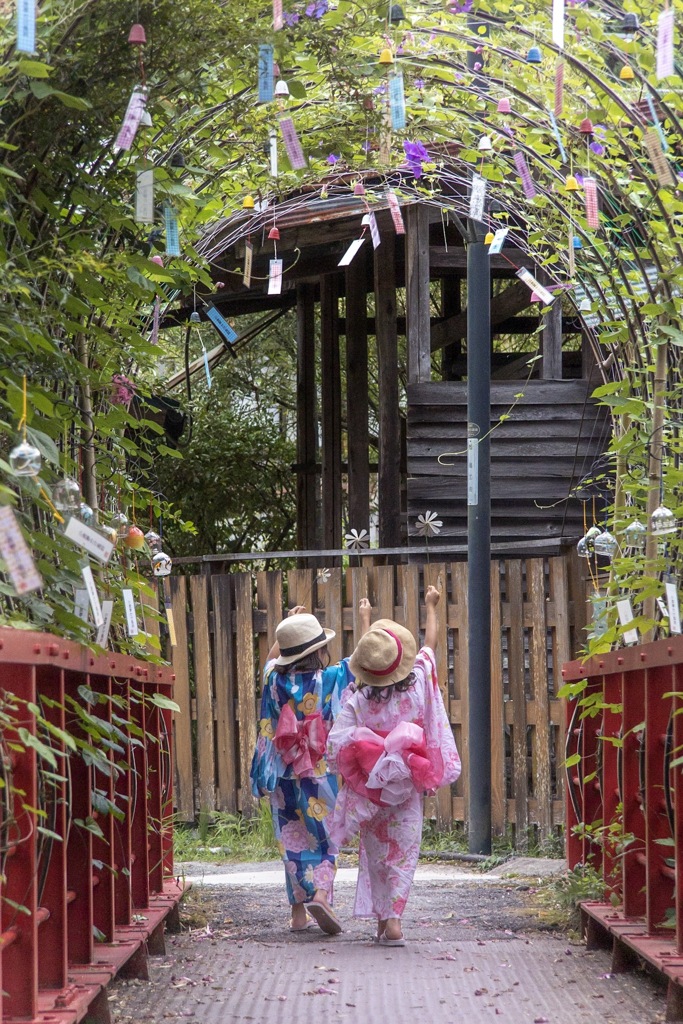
pixel 384 589
pixel 513 573
pixel 149 603
pixel 269 595
pixel 331 412
pixel 389 473
pixel 246 689
pixel 358 588
pixel 460 665
pixel 357 392
pixel 435 576
pixel 300 588
pixel 498 797
pixel 409 597
pixel 182 720
pixel 538 666
pixel 203 681
pixel 224 673
pixel 333 614
pixel 417 293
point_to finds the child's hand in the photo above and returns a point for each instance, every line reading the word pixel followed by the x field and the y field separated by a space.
pixel 364 606
pixel 298 609
pixel 432 597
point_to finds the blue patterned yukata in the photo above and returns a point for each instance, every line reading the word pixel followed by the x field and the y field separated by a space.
pixel 300 806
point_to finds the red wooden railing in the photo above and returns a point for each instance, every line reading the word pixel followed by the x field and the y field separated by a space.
pixel 81 904
pixel 625 803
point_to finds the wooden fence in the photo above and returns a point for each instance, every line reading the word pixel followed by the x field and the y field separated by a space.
pixel 226 622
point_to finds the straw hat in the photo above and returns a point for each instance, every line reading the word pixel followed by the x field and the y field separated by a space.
pixel 298 635
pixel 384 655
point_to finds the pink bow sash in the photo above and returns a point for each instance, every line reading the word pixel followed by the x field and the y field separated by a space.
pixel 387 767
pixel 300 743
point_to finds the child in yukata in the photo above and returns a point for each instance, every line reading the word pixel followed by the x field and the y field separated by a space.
pixel 301 698
pixel 391 743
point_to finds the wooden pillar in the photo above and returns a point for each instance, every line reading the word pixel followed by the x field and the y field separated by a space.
pixel 417 293
pixel 451 305
pixel 551 342
pixel 331 413
pixel 357 392
pixel 389 475
pixel 306 432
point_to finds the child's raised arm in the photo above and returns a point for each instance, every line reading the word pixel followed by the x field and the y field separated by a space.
pixel 274 651
pixel 432 598
pixel 365 615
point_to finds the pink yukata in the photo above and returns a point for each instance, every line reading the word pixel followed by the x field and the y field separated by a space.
pixel 390 753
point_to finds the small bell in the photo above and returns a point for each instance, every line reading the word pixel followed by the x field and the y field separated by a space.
pixel 571 184
pixel 153 541
pixel 86 514
pixel 274 234
pixel 195 317
pixel 162 564
pixel 576 242
pixel 136 36
pixel 582 548
pixel 25 459
pixel 592 534
pixel 386 56
pixel 635 535
pixel 485 145
pixel 631 23
pixel 663 521
pixel 534 55
pixel 359 189
pixel 281 89
pixel 159 260
pixel 110 533
pixel 120 523
pixel 135 538
pixel 177 159
pixel 585 306
pixel 535 297
pixel 396 14
pixel 606 545
pixel 146 119
pixel 627 74
pixel 248 203
pixel 66 495
pixel 504 106
pixel 489 237
pixel 586 126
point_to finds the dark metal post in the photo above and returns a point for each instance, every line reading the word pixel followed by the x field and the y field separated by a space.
pixel 479 537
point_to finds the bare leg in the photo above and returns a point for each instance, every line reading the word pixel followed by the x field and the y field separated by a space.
pixel 392 929
pixel 299 917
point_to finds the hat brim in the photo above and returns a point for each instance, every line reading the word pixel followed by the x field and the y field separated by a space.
pixel 290 659
pixel 406 664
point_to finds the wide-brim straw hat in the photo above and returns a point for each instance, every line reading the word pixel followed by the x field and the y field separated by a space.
pixel 384 655
pixel 299 635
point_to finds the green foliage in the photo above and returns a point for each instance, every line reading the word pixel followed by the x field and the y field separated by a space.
pixel 563 896
pixel 227 837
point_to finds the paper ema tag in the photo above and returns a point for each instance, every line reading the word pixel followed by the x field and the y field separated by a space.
pixel 295 153
pixel 662 167
pixel 131 121
pixel 81 604
pixel 600 619
pixel 528 186
pixel 207 368
pixel 171 229
pixel 590 195
pixel 248 263
pixel 350 252
pixel 156 316
pixel 93 596
pixel 26 26
pixel 472 470
pixel 275 277
pixel 477 197
pixel 625 613
pixel 131 615
pixel 277 15
pixel 397 102
pixel 665 45
pixel 265 73
pixel 273 154
pixel 144 196
pixel 558 138
pixel 171 624
pixel 498 241
pixel 673 605
pixel 558 24
pixel 395 211
pixel 374 231
pixel 559 88
pixel 16 554
pixel 90 540
pixel 102 638
pixel 220 323
pixel 530 281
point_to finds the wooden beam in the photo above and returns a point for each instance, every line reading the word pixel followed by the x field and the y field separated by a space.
pixel 515 298
pixel 417 294
pixel 331 413
pixel 389 476
pixel 451 305
pixel 551 343
pixel 306 432
pixel 455 258
pixel 357 391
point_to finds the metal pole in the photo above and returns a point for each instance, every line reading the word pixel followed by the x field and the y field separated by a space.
pixel 479 538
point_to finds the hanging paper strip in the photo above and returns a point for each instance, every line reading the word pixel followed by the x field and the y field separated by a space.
pixel 248 262
pixel 144 196
pixel 656 123
pixel 81 604
pixel 662 167
pixel 477 197
pixel 16 555
pixel 558 138
pixel 275 277
pixel 295 153
pixel 156 316
pixel 559 88
pixel 351 252
pixel 528 186
pixel 558 24
pixel 625 612
pixel 207 368
pixel 273 152
pixel 93 596
pixel 665 44
pixel 397 102
pixel 171 228
pixel 170 622
pixel 396 215
pixel 535 286
pixel 673 605
pixel 102 637
pixel 131 122
pixel 265 73
pixel 498 241
pixel 220 323
pixel 278 20
pixel 26 26
pixel 571 260
pixel 590 195
pixel 92 541
pixel 374 231
pixel 132 628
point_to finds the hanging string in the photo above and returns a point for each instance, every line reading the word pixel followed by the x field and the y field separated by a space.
pixel 23 422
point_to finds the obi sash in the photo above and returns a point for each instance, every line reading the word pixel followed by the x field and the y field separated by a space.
pixel 300 742
pixel 387 767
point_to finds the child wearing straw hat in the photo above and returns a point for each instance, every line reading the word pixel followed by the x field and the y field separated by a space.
pixel 391 743
pixel 302 696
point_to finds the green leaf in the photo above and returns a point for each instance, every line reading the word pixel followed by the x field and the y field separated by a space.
pixel 164 702
pixel 572 760
pixel 34 68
